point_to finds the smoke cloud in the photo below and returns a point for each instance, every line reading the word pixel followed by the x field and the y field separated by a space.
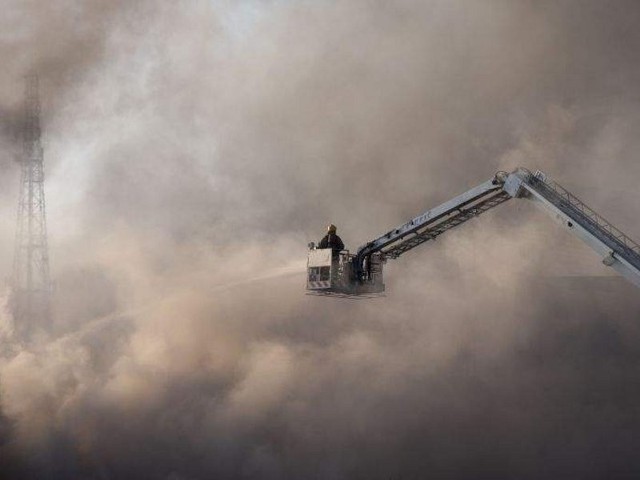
pixel 193 149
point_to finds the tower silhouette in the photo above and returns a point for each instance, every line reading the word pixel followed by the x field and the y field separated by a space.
pixel 31 285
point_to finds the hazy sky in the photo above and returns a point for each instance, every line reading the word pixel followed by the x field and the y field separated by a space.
pixel 192 150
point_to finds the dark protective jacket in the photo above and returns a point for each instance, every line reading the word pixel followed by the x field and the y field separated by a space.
pixel 332 241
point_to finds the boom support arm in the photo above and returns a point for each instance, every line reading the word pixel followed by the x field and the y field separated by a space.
pixel 616 249
pixel 433 222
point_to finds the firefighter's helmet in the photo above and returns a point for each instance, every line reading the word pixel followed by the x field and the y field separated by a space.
pixel 331 228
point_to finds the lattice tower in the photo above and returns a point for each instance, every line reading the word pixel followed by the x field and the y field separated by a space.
pixel 31 282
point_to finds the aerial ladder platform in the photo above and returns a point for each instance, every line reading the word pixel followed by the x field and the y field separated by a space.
pixel 360 274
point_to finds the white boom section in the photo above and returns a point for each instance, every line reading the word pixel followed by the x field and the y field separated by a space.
pixel 616 249
pixel 436 221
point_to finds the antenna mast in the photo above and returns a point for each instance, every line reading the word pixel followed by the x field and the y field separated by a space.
pixel 31 283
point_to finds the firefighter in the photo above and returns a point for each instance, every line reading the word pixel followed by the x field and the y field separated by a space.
pixel 333 241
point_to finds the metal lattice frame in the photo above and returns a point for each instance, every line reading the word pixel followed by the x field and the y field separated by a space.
pixel 31 281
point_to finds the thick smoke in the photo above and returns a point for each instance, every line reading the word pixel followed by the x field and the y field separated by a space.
pixel 194 148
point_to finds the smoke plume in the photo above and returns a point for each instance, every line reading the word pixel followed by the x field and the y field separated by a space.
pixel 192 150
